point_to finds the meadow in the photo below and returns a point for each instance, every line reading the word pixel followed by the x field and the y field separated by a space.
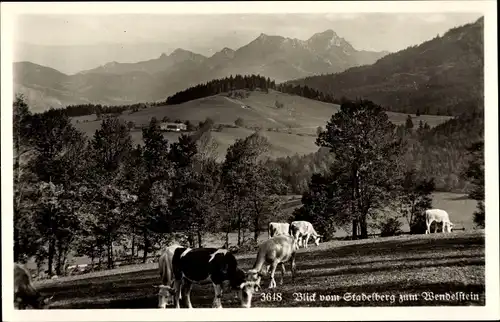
pixel 408 270
pixel 290 129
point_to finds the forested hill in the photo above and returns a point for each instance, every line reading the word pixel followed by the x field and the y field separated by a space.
pixel 442 76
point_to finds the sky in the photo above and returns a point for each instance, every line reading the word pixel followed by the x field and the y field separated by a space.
pixel 365 31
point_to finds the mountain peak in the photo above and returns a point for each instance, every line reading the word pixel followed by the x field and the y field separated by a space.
pixel 328 39
pixel 327 34
pixel 226 50
pixel 180 51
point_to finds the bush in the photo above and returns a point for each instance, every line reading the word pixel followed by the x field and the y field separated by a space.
pixel 278 104
pixel 479 215
pixel 390 227
pixel 418 226
pixel 239 122
pixel 165 119
pixel 190 127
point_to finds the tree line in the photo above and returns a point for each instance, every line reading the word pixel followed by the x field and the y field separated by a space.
pixel 88 196
pixel 82 196
pixel 222 85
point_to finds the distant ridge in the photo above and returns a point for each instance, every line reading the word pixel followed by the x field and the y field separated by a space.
pixel 116 83
pixel 442 76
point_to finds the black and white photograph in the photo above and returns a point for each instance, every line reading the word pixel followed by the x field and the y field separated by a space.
pixel 187 156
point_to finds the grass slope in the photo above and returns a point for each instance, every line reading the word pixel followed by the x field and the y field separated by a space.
pixel 394 267
pixel 291 129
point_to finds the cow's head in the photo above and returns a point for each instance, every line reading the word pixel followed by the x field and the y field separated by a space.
pixel 246 284
pixel 450 226
pixel 246 291
pixel 165 295
pixel 317 239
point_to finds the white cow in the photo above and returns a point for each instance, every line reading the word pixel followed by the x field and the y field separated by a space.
pixel 278 228
pixel 439 216
pixel 302 231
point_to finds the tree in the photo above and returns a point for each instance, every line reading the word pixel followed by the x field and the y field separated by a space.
pixel 323 203
pixel 474 172
pixel 415 197
pixel 409 123
pixel 56 145
pixel 183 201
pixel 109 151
pixel 55 148
pixel 319 129
pixel 367 150
pixel 24 246
pixel 153 169
pixel 240 176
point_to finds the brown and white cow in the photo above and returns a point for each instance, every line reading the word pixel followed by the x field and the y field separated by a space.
pixel 25 294
pixel 301 231
pixel 272 252
pixel 210 265
pixel 166 290
pixel 278 228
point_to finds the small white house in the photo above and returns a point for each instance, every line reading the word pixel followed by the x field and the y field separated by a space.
pixel 173 127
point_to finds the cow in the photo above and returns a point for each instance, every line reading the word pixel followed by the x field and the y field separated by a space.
pixel 278 228
pixel 25 294
pixel 439 216
pixel 166 290
pixel 302 231
pixel 272 252
pixel 210 265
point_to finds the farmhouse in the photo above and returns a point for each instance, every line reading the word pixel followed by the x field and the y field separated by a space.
pixel 173 127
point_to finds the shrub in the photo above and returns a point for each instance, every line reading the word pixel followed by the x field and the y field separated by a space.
pixel 418 225
pixel 390 227
pixel 239 122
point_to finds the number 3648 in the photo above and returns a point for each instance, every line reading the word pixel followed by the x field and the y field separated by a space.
pixel 271 297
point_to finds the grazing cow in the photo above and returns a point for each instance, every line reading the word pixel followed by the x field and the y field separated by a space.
pixel 210 265
pixel 25 294
pixel 278 228
pixel 439 216
pixel 302 231
pixel 274 251
pixel 166 290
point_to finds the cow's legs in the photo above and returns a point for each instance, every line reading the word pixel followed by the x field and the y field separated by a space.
pixel 177 287
pixel 218 296
pixel 436 227
pixel 273 269
pixel 283 270
pixel 294 268
pixel 306 240
pixel 187 295
pixel 429 223
pixel 296 240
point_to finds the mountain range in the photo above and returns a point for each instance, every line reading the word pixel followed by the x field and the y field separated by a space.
pixel 443 76
pixel 115 83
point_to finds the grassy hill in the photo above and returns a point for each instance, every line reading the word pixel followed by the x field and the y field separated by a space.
pixel 290 129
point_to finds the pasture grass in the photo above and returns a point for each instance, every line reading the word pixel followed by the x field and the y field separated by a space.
pixel 418 265
pixel 459 207
pixel 299 116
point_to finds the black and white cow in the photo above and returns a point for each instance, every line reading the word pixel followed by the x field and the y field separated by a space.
pixel 210 265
